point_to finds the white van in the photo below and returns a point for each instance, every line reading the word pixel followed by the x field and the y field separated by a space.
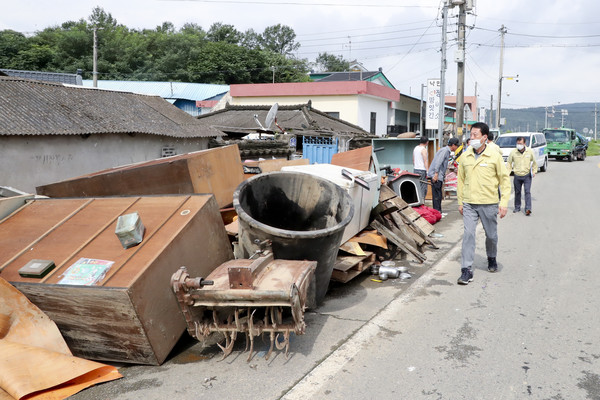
pixel 534 140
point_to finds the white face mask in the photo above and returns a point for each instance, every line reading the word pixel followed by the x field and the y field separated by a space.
pixel 475 143
pixel 520 146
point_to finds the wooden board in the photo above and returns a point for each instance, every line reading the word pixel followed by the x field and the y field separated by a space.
pixel 348 267
pixel 217 171
pixel 359 159
pixel 392 236
pixel 131 315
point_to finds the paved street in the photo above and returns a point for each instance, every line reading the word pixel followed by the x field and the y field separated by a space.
pixel 528 331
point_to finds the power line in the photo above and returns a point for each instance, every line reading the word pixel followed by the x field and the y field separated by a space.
pixel 542 36
pixel 293 3
pixel 368 34
pixel 370 41
pixel 361 29
pixel 540 45
pixel 378 47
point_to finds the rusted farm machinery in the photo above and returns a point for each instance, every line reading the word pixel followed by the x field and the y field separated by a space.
pixel 251 296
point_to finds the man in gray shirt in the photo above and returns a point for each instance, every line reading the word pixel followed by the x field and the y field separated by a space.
pixel 437 171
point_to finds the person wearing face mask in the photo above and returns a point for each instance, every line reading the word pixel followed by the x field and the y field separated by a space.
pixel 480 173
pixel 522 161
pixel 490 143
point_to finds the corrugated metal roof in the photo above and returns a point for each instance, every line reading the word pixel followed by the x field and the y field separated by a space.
pixel 166 90
pixel 29 107
pixel 71 79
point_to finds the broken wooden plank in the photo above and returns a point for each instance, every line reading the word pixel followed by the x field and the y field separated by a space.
pixel 408 234
pixel 386 193
pixel 398 241
pixel 349 267
pixel 344 276
pixel 359 263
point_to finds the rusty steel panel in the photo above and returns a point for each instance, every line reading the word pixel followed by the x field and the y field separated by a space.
pixel 134 297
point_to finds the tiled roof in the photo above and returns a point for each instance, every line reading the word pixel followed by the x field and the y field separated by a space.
pixel 166 90
pixel 348 76
pixel 370 76
pixel 297 119
pixel 71 79
pixel 29 107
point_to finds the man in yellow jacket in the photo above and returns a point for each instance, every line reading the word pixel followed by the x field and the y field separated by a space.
pixel 522 161
pixel 480 173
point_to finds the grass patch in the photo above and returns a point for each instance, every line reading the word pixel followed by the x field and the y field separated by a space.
pixel 593 148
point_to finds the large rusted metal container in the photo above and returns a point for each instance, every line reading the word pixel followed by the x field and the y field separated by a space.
pixel 218 171
pixel 303 215
pixel 131 314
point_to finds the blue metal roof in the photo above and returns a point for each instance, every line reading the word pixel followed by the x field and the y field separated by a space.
pixel 166 90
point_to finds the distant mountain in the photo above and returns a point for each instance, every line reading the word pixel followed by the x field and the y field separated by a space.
pixel 579 116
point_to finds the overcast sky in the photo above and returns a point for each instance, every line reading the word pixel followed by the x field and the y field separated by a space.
pixel 554 46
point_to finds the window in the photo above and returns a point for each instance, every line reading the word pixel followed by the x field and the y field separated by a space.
pixel 334 114
pixel 373 122
pixel 168 151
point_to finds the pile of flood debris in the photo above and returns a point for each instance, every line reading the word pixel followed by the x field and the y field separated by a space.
pixel 126 259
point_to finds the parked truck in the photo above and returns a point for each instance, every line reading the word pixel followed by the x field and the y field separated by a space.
pixel 565 143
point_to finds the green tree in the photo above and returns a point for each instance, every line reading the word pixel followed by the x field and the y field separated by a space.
pixel 326 62
pixel 227 63
pixel 279 39
pixel 11 43
pixel 219 32
pixel 101 19
pixel 251 39
pixel 287 69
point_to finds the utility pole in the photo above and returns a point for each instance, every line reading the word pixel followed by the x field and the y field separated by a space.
pixel 95 60
pixel 502 32
pixel 491 109
pixel 442 111
pixel 460 68
pixel 595 121
pixel 421 112
pixel 476 102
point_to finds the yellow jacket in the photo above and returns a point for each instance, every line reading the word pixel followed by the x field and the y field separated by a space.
pixel 479 179
pixel 523 162
pixel 495 147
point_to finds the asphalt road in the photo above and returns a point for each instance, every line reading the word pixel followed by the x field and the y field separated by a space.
pixel 529 331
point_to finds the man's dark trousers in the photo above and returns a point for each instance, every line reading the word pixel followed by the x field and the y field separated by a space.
pixel 437 194
pixel 526 182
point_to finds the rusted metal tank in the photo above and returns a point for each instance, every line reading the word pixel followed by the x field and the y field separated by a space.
pixel 254 297
pixel 303 215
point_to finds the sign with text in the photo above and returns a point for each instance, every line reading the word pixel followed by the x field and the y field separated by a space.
pixel 433 104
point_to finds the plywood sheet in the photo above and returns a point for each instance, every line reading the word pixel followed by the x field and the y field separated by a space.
pixel 359 159
pixel 217 171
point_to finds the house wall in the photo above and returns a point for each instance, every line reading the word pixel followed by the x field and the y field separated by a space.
pixel 30 161
pixel 367 105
